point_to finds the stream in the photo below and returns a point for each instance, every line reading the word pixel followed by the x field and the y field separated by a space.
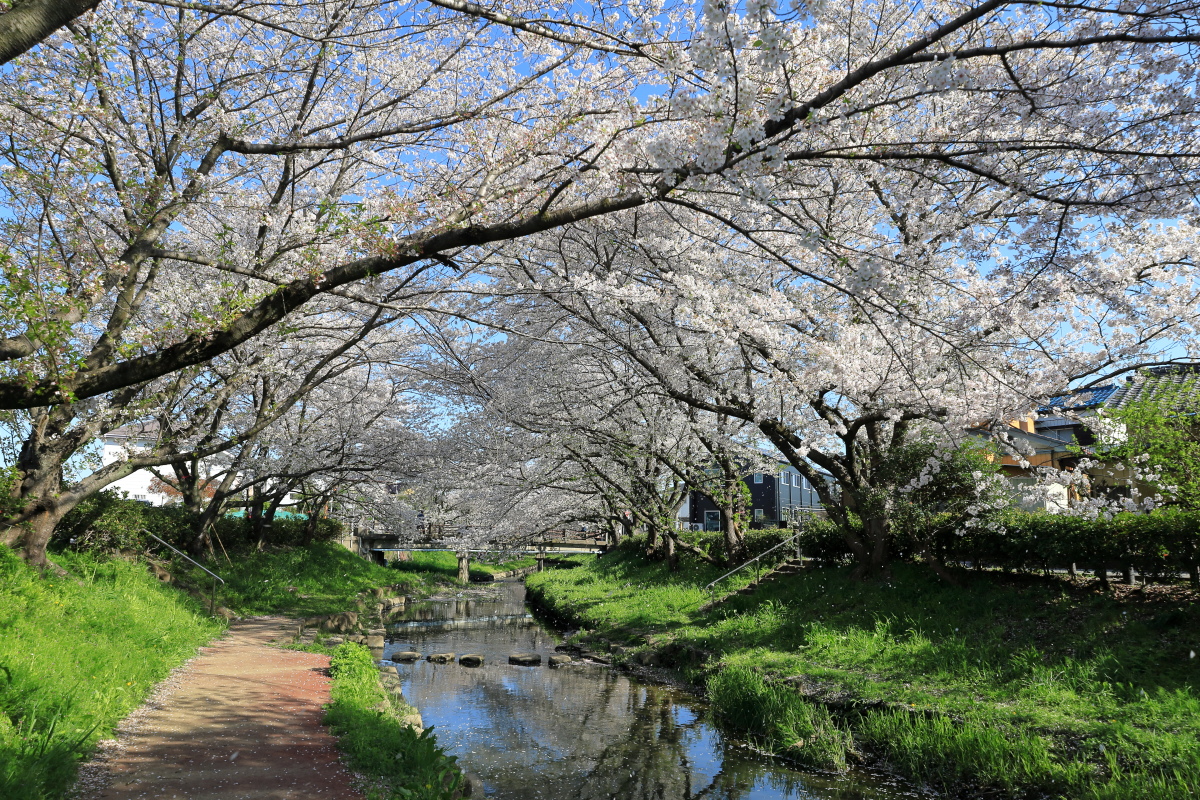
pixel 581 732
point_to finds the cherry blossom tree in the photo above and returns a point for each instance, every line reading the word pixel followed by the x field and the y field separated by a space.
pixel 838 376
pixel 579 422
pixel 153 120
pixel 195 417
pixel 921 193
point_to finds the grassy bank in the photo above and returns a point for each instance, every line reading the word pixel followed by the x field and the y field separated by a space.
pixel 77 654
pixel 445 564
pixel 1013 686
pixel 299 581
pixel 366 719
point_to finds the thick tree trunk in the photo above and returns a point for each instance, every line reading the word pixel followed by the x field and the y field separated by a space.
pixel 672 556
pixel 30 21
pixel 626 528
pixel 38 497
pixel 735 541
pixel 202 529
pixel 464 567
pixel 30 537
pixel 310 528
pixel 876 563
pixel 264 525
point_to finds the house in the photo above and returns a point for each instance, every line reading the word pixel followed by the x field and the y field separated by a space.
pixel 1066 416
pixel 118 445
pixel 776 500
pixel 1036 451
pixel 1060 434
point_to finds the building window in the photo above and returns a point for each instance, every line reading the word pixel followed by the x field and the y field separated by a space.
pixel 758 515
pixel 758 477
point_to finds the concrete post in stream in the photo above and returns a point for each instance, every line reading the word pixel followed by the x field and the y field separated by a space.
pixel 464 566
pixel 541 559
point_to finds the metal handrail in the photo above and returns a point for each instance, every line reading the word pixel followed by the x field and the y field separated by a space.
pixel 212 600
pixel 753 560
pixel 737 569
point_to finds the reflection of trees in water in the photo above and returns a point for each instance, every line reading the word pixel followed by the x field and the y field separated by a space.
pixel 557 721
pixel 577 732
pixel 587 734
pixel 456 609
pixel 649 761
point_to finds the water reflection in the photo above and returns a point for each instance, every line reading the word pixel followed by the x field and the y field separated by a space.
pixel 580 732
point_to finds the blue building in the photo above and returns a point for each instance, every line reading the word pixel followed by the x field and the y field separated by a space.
pixel 776 500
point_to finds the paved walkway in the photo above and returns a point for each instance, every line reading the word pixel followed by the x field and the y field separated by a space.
pixel 242 721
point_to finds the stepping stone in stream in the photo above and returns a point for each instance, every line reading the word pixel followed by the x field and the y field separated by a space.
pixel 407 657
pixel 471 660
pixel 525 659
pixel 558 660
pixel 440 658
pixel 375 642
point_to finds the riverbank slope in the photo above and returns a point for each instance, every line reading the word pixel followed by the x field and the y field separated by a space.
pixel 79 652
pixel 1009 686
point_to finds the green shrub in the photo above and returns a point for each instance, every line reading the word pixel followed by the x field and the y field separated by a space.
pixel 108 523
pixel 1161 544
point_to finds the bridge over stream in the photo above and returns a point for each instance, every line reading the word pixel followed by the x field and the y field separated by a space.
pixel 548 543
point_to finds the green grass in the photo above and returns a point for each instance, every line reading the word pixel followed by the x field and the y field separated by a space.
pixel 779 719
pixel 300 581
pixel 445 564
pixel 364 717
pixel 623 595
pixel 1019 685
pixel 76 655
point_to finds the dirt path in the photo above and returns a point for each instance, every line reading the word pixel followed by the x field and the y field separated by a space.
pixel 242 720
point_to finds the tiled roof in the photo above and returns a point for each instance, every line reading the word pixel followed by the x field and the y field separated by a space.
pixel 1177 384
pixel 1177 387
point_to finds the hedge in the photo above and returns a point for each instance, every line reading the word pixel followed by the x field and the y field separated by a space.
pixel 1161 544
pixel 821 539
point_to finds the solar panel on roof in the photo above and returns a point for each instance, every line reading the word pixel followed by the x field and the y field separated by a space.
pixel 1081 399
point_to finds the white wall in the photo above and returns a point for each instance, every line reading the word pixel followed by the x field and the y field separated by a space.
pixel 137 485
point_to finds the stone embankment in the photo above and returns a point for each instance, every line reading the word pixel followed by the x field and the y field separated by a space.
pixel 398 706
pixel 378 605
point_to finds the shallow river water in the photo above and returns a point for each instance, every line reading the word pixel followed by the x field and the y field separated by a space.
pixel 580 732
